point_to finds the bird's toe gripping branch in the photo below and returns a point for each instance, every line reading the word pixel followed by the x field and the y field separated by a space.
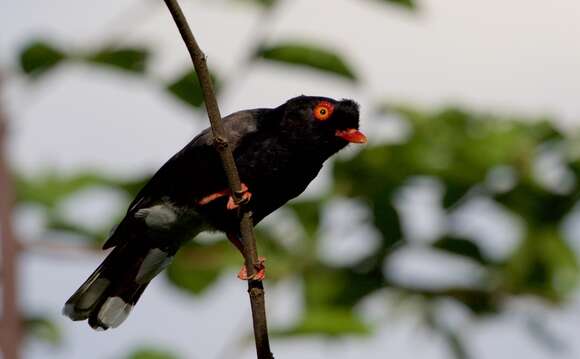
pixel 260 271
pixel 260 268
pixel 246 196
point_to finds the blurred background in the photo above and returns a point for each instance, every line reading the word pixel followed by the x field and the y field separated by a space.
pixel 454 233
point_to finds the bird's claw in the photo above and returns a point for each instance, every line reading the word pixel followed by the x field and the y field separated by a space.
pixel 246 196
pixel 260 273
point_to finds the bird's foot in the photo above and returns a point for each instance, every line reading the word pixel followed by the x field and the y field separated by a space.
pixel 260 271
pixel 246 196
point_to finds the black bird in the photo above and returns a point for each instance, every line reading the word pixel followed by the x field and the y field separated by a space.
pixel 278 152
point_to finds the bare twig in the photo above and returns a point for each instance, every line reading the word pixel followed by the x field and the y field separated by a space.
pixel 11 326
pixel 255 288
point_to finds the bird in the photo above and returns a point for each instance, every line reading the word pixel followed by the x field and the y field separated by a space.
pixel 278 152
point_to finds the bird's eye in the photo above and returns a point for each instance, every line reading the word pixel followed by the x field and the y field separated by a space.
pixel 323 110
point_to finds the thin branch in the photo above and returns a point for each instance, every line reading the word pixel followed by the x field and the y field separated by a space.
pixel 11 326
pixel 255 288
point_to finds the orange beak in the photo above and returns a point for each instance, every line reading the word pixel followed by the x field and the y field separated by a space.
pixel 352 135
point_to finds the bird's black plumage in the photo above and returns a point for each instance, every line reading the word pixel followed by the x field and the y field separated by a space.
pixel 278 152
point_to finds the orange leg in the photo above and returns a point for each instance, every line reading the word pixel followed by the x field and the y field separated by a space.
pixel 260 271
pixel 246 196
pixel 260 267
pixel 212 197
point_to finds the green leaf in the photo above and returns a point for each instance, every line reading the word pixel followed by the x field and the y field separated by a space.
pixel 126 59
pixel 308 55
pixel 328 321
pixel 323 286
pixel 151 353
pixel 187 89
pixel 197 266
pixel 38 57
pixel 43 329
pixel 410 4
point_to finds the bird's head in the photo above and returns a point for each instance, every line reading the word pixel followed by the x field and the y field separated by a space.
pixel 322 122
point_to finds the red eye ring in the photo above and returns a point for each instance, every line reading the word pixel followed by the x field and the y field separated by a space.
pixel 323 110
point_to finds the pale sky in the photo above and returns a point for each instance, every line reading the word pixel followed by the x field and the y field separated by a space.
pixel 516 56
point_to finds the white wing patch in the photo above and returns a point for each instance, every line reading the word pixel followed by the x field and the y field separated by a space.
pixel 160 216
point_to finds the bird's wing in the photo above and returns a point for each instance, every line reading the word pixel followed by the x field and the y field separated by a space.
pixel 196 163
pixel 190 174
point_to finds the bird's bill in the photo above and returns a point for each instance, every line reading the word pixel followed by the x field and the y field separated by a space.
pixel 352 135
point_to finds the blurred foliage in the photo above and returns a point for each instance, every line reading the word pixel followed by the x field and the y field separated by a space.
pixel 50 189
pixel 128 59
pixel 461 247
pixel 197 266
pixel 405 3
pixel 151 353
pixel 331 322
pixel 43 329
pixel 458 149
pixel 187 89
pixel 38 57
pixel 470 155
pixel 307 55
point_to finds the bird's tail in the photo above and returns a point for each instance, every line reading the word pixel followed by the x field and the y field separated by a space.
pixel 108 295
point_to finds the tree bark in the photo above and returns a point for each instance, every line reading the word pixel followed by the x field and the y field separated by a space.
pixel 11 325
